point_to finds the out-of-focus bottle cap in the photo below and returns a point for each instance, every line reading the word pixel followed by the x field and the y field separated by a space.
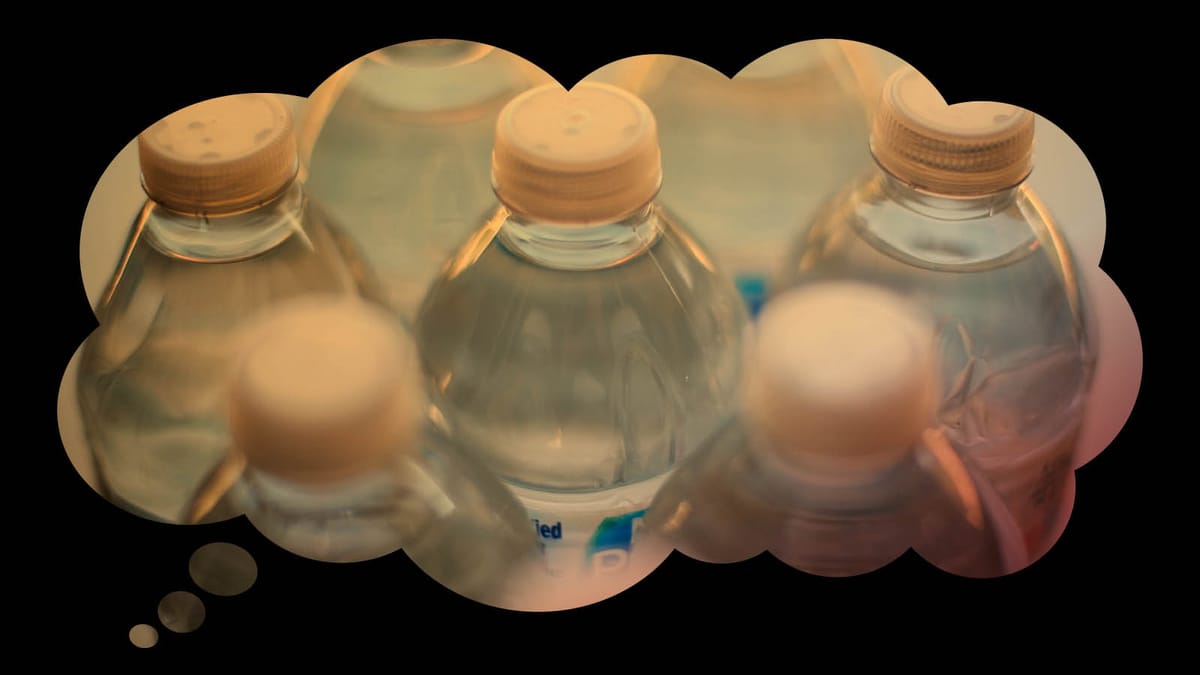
pixel 965 149
pixel 221 155
pixel 586 156
pixel 842 376
pixel 441 81
pixel 326 388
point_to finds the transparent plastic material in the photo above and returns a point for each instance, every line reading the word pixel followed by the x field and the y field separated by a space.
pixel 834 463
pixel 337 456
pixel 745 159
pixel 999 279
pixel 582 362
pixel 733 500
pixel 581 341
pixel 448 513
pixel 398 146
pixel 152 375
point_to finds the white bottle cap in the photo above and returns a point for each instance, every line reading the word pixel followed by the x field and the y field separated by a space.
pixel 841 376
pixel 966 149
pixel 585 156
pixel 326 388
pixel 219 156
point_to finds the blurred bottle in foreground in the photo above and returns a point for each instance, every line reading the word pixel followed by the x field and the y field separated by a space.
pixel 833 461
pixel 944 217
pixel 337 456
pixel 398 146
pixel 581 342
pixel 227 231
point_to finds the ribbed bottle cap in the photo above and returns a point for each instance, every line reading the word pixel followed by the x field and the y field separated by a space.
pixel 221 155
pixel 966 149
pixel 585 156
pixel 841 376
pixel 326 388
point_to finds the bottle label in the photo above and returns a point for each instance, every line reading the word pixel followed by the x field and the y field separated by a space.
pixel 592 535
pixel 753 288
pixel 611 544
pixel 587 544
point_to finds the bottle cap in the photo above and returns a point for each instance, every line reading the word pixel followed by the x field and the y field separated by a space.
pixel 841 376
pixel 221 155
pixel 965 149
pixel 326 388
pixel 585 156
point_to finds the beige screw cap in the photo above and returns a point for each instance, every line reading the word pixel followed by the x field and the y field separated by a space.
pixel 219 156
pixel 326 388
pixel 585 156
pixel 966 149
pixel 841 376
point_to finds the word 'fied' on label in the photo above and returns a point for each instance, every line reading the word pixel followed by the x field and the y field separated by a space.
pixel 548 531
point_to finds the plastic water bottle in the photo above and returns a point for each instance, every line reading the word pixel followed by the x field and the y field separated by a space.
pixel 582 341
pixel 398 146
pixel 338 457
pixel 944 217
pixel 227 230
pixel 832 461
pixel 746 158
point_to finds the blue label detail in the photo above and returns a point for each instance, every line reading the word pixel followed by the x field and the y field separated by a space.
pixel 753 288
pixel 614 533
pixel 609 548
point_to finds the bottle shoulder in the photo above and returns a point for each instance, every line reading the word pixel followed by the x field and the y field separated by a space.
pixel 1003 276
pixel 936 233
pixel 659 258
pixel 186 304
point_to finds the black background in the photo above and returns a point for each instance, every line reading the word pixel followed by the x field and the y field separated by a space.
pixel 95 571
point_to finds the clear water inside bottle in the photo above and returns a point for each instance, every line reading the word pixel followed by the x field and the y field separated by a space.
pixel 578 359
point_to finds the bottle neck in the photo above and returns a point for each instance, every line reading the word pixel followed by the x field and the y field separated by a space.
pixel 225 238
pixel 566 246
pixel 945 207
pixel 367 492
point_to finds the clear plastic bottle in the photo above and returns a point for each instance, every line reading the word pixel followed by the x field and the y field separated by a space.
pixel 337 456
pixel 398 146
pixel 226 231
pixel 945 218
pixel 582 341
pixel 747 158
pixel 833 460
